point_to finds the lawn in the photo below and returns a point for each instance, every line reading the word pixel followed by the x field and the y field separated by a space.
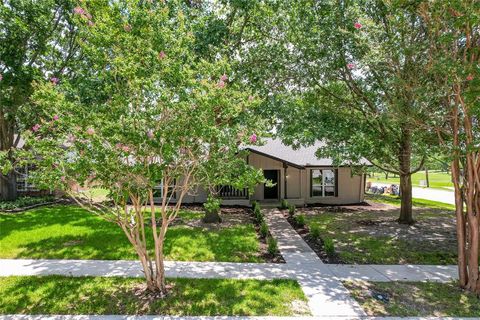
pixel 69 232
pixel 421 203
pixel 422 299
pixel 371 235
pixel 192 297
pixel 437 179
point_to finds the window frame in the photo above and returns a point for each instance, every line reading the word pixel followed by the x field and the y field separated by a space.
pixel 323 185
pixel 172 194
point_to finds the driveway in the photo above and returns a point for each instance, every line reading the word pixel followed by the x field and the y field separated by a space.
pixel 429 194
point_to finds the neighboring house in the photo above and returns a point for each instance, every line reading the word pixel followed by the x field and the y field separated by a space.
pixel 299 177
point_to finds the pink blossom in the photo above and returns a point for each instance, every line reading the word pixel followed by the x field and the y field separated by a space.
pixel 78 10
pixel 221 84
pixel 127 28
pixel 250 98
pixel 253 138
pixel 125 149
pixel 71 138
pixel 63 178
pixel 88 16
pixel 55 117
pixel 350 65
pixel 162 55
pixel 224 78
pixel 36 127
pixel 150 134
pixel 90 131
pixel 54 80
pixel 90 23
pixel 357 25
pixel 470 77
pixel 118 145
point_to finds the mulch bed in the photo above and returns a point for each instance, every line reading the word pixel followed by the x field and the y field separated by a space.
pixel 315 244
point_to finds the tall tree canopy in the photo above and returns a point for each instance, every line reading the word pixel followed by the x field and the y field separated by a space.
pixel 38 42
pixel 348 73
pixel 148 110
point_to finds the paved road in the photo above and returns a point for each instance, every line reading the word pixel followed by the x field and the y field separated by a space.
pixel 439 195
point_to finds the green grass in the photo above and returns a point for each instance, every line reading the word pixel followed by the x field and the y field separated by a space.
pixel 193 297
pixel 414 299
pixel 69 232
pixel 437 179
pixel 421 203
pixel 359 244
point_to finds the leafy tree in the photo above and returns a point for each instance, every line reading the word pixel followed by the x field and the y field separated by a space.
pixel 37 43
pixel 347 72
pixel 454 56
pixel 148 111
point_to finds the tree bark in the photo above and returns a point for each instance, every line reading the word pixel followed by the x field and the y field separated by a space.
pixel 405 153
pixel 8 186
pixel 426 177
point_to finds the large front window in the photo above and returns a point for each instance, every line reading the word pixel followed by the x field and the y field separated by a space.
pixel 158 190
pixel 323 183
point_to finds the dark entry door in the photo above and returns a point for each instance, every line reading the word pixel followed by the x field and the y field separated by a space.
pixel 271 192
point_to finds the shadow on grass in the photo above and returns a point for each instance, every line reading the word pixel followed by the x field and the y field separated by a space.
pixel 95 295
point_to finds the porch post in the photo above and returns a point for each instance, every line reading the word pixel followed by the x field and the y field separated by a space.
pixel 285 166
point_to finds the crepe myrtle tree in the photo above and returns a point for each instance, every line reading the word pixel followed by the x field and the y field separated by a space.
pixel 454 56
pixel 147 112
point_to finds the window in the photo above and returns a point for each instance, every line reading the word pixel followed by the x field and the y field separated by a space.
pixel 323 183
pixel 24 183
pixel 158 190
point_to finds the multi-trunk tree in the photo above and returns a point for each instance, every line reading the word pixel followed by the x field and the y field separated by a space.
pixel 38 42
pixel 346 72
pixel 149 121
pixel 454 55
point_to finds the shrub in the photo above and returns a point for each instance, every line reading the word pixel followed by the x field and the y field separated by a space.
pixel 272 246
pixel 284 204
pixel 258 214
pixel 212 205
pixel 315 231
pixel 254 205
pixel 329 246
pixel 291 210
pixel 263 230
pixel 300 220
pixel 24 202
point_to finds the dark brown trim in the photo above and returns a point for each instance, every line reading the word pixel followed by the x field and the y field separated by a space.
pixel 277 159
pixel 285 166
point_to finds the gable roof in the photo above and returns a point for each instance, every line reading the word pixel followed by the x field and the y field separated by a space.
pixel 301 157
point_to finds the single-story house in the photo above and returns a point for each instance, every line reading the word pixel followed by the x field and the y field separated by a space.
pixel 298 176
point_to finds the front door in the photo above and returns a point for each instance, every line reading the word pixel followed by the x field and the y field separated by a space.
pixel 271 192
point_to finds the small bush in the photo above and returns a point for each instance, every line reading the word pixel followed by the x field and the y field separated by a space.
pixel 263 230
pixel 23 202
pixel 254 205
pixel 212 205
pixel 300 220
pixel 315 231
pixel 272 246
pixel 258 214
pixel 329 246
pixel 284 204
pixel 291 210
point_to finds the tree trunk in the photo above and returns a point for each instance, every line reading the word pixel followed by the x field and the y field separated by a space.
pixel 406 213
pixel 8 187
pixel 386 175
pixel 404 157
pixel 426 177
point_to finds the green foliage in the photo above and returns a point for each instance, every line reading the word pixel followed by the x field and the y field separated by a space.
pixel 272 246
pixel 300 220
pixel 314 230
pixel 212 205
pixel 263 229
pixel 255 204
pixel 329 246
pixel 291 210
pixel 23 202
pixel 284 204
pixel 257 212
